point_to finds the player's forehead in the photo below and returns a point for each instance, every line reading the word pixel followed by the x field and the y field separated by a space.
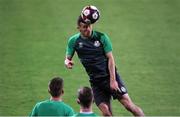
pixel 84 24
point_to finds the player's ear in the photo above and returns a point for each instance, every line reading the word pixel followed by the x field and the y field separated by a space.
pixel 78 27
pixel 78 101
pixel 62 92
pixel 93 100
pixel 48 90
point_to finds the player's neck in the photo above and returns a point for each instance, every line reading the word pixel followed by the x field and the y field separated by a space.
pixel 56 98
pixel 86 110
pixel 85 37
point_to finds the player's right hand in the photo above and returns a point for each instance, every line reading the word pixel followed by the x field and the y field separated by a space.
pixel 68 63
pixel 114 85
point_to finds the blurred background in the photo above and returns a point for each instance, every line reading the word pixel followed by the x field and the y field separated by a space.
pixel 146 46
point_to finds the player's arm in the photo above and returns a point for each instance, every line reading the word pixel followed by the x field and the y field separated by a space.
pixel 111 63
pixel 69 53
pixel 111 67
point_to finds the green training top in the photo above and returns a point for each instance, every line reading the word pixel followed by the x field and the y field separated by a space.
pixel 52 108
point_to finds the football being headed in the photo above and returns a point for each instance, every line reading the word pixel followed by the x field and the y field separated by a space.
pixel 90 14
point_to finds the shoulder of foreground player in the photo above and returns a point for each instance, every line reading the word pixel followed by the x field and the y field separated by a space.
pixel 74 37
pixel 98 33
pixel 105 40
pixel 101 35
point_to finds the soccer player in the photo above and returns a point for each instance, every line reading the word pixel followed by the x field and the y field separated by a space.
pixel 85 100
pixel 94 50
pixel 53 106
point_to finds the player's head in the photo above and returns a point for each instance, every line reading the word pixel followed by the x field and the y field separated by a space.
pixel 85 97
pixel 56 87
pixel 85 28
pixel 80 20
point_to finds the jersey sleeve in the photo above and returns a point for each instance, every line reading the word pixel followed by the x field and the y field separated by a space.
pixel 106 43
pixel 70 47
pixel 68 110
pixel 71 112
pixel 34 111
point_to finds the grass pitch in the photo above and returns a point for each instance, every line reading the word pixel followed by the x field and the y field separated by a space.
pixel 145 37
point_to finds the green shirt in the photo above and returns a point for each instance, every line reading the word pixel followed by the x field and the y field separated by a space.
pixel 85 114
pixel 52 108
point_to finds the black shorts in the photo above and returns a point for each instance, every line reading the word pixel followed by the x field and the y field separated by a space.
pixel 103 93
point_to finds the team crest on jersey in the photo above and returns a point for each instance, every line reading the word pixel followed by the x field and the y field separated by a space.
pixel 96 43
pixel 80 44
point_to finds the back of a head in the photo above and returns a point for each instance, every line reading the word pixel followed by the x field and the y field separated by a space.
pixel 56 86
pixel 85 96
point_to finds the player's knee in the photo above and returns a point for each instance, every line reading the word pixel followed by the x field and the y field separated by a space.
pixel 105 109
pixel 129 106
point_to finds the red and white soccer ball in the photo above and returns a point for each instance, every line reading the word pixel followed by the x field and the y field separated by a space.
pixel 90 14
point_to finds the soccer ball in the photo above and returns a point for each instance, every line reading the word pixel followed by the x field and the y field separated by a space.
pixel 90 14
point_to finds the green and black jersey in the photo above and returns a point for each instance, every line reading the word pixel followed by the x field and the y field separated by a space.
pixel 92 53
pixel 52 108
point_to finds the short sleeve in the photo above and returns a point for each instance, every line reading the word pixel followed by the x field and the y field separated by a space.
pixel 71 44
pixel 107 45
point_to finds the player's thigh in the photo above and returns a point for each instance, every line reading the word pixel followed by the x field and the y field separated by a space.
pixel 101 95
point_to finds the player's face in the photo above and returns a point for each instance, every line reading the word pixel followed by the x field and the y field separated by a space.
pixel 85 29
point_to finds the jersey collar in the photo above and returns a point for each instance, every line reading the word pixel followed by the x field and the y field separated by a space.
pixel 92 35
pixel 55 99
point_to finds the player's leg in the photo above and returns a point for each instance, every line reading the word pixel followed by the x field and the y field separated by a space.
pixel 124 98
pixel 130 106
pixel 102 98
pixel 105 109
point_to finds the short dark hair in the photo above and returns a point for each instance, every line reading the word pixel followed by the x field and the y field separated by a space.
pixel 56 86
pixel 80 20
pixel 85 96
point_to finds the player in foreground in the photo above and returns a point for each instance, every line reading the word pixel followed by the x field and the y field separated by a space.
pixel 53 106
pixel 94 50
pixel 85 100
